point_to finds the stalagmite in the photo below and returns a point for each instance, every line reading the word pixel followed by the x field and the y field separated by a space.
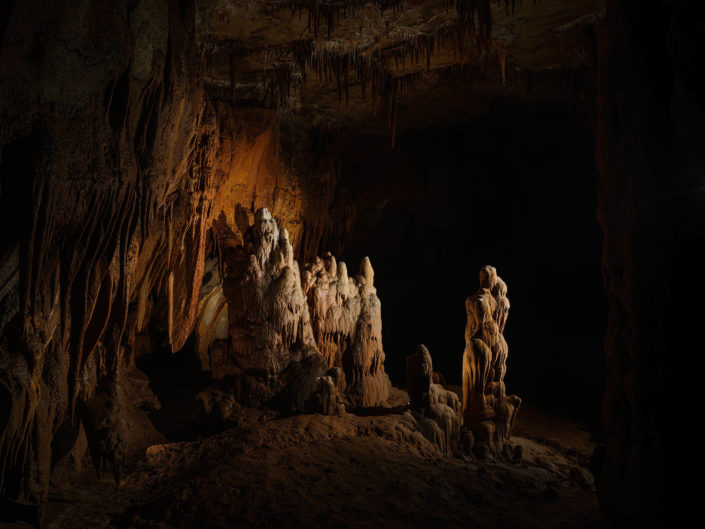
pixel 277 319
pixel 347 323
pixel 437 410
pixel 269 323
pixel 487 410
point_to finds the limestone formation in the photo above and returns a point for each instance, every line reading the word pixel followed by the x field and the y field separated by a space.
pixel 346 315
pixel 212 324
pixel 269 323
pixel 325 397
pixel 487 410
pixel 437 410
pixel 276 321
pixel 116 155
pixel 419 376
pixel 106 181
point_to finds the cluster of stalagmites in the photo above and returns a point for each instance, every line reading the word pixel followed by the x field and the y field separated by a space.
pixel 482 423
pixel 306 342
pixel 347 323
pixel 311 341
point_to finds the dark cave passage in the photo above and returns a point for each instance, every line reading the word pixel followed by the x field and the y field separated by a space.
pixel 514 187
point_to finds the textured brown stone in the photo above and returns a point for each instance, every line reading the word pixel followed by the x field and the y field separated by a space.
pixel 106 145
pixel 487 410
pixel 419 375
pixel 437 410
pixel 347 320
pixel 275 322
pixel 269 322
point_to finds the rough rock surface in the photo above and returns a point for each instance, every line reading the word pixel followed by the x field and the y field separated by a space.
pixel 487 409
pixel 269 322
pixel 105 175
pixel 212 323
pixel 347 61
pixel 347 321
pixel 351 471
pixel 277 320
pixel 438 410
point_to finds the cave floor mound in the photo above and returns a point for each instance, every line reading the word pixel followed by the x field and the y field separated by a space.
pixel 352 471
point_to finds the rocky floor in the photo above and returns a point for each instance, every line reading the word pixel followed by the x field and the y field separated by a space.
pixel 368 470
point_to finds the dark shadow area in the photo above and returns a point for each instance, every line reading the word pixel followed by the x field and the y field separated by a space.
pixel 176 379
pixel 514 187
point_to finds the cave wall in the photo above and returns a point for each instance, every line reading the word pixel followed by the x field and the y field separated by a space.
pixel 650 155
pixel 279 161
pixel 105 194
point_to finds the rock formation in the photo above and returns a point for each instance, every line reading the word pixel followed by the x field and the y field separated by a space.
pixel 105 173
pixel 347 321
pixel 276 320
pixel 438 411
pixel 487 410
pixel 212 324
pixel 268 320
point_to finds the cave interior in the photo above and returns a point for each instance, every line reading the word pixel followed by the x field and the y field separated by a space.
pixel 349 263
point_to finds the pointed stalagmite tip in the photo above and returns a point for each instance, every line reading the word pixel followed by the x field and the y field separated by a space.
pixel 342 272
pixel 367 272
pixel 263 214
pixel 331 265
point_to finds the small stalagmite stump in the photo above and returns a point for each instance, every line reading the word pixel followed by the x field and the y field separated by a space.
pixel 419 373
pixel 437 410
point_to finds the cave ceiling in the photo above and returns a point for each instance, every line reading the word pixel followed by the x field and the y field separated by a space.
pixel 384 65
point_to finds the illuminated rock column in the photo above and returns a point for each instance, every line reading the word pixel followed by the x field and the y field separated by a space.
pixel 487 410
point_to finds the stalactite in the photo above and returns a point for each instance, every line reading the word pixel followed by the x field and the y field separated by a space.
pixel 330 12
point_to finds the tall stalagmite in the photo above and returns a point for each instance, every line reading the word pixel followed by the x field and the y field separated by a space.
pixel 269 323
pixel 487 409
